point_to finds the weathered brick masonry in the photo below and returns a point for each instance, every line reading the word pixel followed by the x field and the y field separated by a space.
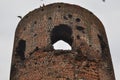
pixel 35 59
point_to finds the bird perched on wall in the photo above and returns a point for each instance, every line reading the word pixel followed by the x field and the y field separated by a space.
pixel 19 17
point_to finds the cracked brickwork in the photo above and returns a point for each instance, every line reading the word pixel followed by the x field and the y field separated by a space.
pixel 35 59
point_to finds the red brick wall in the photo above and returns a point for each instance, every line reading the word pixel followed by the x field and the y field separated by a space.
pixel 89 58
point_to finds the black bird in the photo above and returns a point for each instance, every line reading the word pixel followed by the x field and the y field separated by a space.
pixel 19 17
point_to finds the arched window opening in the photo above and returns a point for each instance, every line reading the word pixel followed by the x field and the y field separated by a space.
pixel 61 45
pixel 61 35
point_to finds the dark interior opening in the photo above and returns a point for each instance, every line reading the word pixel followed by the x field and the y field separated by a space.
pixel 103 47
pixel 102 43
pixel 61 32
pixel 35 22
pixel 69 15
pixel 21 49
pixel 80 28
pixel 65 17
pixel 77 20
pixel 49 18
pixel 78 37
pixel 59 6
pixel 42 9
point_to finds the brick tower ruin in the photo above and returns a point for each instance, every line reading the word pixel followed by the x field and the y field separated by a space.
pixel 34 57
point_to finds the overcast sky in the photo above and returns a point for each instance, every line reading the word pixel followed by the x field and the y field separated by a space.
pixel 108 13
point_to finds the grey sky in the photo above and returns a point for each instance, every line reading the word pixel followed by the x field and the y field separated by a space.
pixel 108 13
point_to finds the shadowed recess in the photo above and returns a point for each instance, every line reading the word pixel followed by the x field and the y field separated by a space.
pixel 61 32
pixel 80 28
pixel 21 49
pixel 102 43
